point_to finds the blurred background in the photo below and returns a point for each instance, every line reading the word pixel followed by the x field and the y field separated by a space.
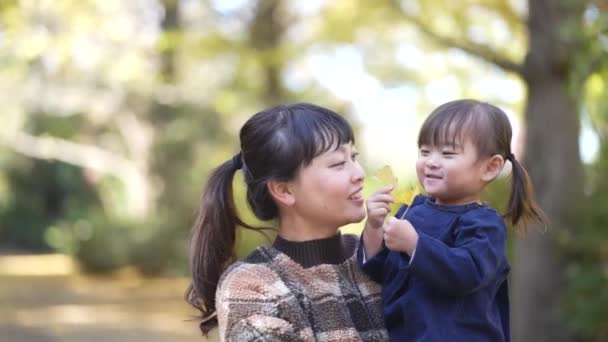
pixel 114 112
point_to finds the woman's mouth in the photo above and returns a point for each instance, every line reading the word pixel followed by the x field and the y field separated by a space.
pixel 357 196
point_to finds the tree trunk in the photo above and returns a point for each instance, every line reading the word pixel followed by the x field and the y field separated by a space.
pixel 552 159
pixel 265 33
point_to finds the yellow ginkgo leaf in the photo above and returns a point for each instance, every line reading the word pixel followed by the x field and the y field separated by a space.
pixel 386 176
pixel 406 196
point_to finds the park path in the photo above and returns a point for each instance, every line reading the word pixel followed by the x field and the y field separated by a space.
pixel 51 305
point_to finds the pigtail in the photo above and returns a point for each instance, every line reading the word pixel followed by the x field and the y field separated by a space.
pixel 522 209
pixel 213 240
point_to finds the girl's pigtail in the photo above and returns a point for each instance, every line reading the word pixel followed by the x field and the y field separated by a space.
pixel 522 210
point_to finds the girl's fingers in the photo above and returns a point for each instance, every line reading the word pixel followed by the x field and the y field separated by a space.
pixel 385 189
pixel 378 212
pixel 388 198
pixel 378 205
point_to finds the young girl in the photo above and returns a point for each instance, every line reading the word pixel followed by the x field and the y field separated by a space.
pixel 300 166
pixel 443 267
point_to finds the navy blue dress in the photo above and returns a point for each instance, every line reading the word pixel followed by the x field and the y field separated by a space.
pixel 455 286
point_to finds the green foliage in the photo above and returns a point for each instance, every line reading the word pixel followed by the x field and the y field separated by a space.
pixel 102 244
pixel 106 248
pixel 42 192
pixel 585 246
pixel 169 104
pixel 153 250
pixel 585 250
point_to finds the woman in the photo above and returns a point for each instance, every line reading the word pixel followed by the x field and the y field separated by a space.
pixel 300 166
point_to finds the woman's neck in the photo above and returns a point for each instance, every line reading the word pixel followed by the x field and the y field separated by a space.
pixel 333 250
pixel 292 229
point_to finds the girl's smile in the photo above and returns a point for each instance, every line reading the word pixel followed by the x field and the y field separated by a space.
pixel 451 174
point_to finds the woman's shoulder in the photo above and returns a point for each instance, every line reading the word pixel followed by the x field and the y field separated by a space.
pixel 253 272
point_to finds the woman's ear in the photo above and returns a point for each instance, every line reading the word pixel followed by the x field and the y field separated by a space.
pixel 492 168
pixel 281 192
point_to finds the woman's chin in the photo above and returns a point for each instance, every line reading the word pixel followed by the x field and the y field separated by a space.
pixel 358 217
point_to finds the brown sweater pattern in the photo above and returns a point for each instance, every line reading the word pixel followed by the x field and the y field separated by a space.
pixel 270 297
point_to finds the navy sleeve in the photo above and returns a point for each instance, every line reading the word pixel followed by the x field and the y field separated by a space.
pixel 401 211
pixel 474 261
pixel 372 266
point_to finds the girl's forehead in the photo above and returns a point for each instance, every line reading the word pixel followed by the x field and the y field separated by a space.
pixel 458 143
pixel 449 133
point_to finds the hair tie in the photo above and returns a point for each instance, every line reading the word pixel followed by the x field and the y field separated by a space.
pixel 510 156
pixel 237 161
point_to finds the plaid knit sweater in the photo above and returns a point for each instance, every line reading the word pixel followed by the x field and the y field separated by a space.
pixel 300 291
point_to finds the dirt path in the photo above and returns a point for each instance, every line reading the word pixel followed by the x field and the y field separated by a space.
pixel 83 308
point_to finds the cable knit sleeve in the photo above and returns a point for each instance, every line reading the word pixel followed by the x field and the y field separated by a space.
pixel 253 304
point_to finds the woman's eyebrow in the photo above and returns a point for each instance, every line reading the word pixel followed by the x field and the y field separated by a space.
pixel 342 148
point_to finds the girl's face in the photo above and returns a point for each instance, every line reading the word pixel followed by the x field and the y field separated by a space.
pixel 451 174
pixel 328 191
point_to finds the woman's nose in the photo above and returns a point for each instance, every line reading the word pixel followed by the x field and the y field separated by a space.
pixel 358 173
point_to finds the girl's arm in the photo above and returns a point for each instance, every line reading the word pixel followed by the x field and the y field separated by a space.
pixel 372 266
pixel 477 258
pixel 251 305
pixel 371 240
pixel 378 206
pixel 371 252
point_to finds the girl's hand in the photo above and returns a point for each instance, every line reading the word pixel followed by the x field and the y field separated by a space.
pixel 378 206
pixel 400 236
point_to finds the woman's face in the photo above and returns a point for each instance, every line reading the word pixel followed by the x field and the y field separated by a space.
pixel 328 191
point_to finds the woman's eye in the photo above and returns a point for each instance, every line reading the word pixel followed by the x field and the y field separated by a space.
pixel 448 153
pixel 338 164
pixel 354 156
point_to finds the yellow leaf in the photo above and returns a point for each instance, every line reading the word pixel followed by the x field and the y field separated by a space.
pixel 406 196
pixel 386 176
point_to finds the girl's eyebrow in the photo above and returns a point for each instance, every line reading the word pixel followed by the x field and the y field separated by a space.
pixel 455 146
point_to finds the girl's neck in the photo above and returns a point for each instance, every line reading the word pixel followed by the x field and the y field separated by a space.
pixel 459 201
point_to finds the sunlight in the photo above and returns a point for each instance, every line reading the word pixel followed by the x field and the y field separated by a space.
pixel 37 265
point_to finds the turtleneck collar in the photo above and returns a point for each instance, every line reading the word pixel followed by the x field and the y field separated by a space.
pixel 332 250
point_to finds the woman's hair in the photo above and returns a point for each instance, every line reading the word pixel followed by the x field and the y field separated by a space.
pixel 489 130
pixel 275 143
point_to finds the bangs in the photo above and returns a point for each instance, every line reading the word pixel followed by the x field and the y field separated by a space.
pixel 320 130
pixel 449 124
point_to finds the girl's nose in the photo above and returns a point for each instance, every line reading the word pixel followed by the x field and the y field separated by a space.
pixel 432 162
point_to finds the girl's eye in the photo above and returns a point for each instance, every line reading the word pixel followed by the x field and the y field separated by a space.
pixel 354 156
pixel 424 152
pixel 338 164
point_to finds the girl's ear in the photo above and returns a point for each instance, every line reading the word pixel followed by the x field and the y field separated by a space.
pixel 492 168
pixel 281 192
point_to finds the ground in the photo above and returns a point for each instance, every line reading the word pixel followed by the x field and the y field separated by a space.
pixel 53 302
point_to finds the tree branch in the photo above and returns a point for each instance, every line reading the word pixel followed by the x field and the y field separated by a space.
pixel 481 51
pixel 85 156
pixel 504 9
pixel 89 157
